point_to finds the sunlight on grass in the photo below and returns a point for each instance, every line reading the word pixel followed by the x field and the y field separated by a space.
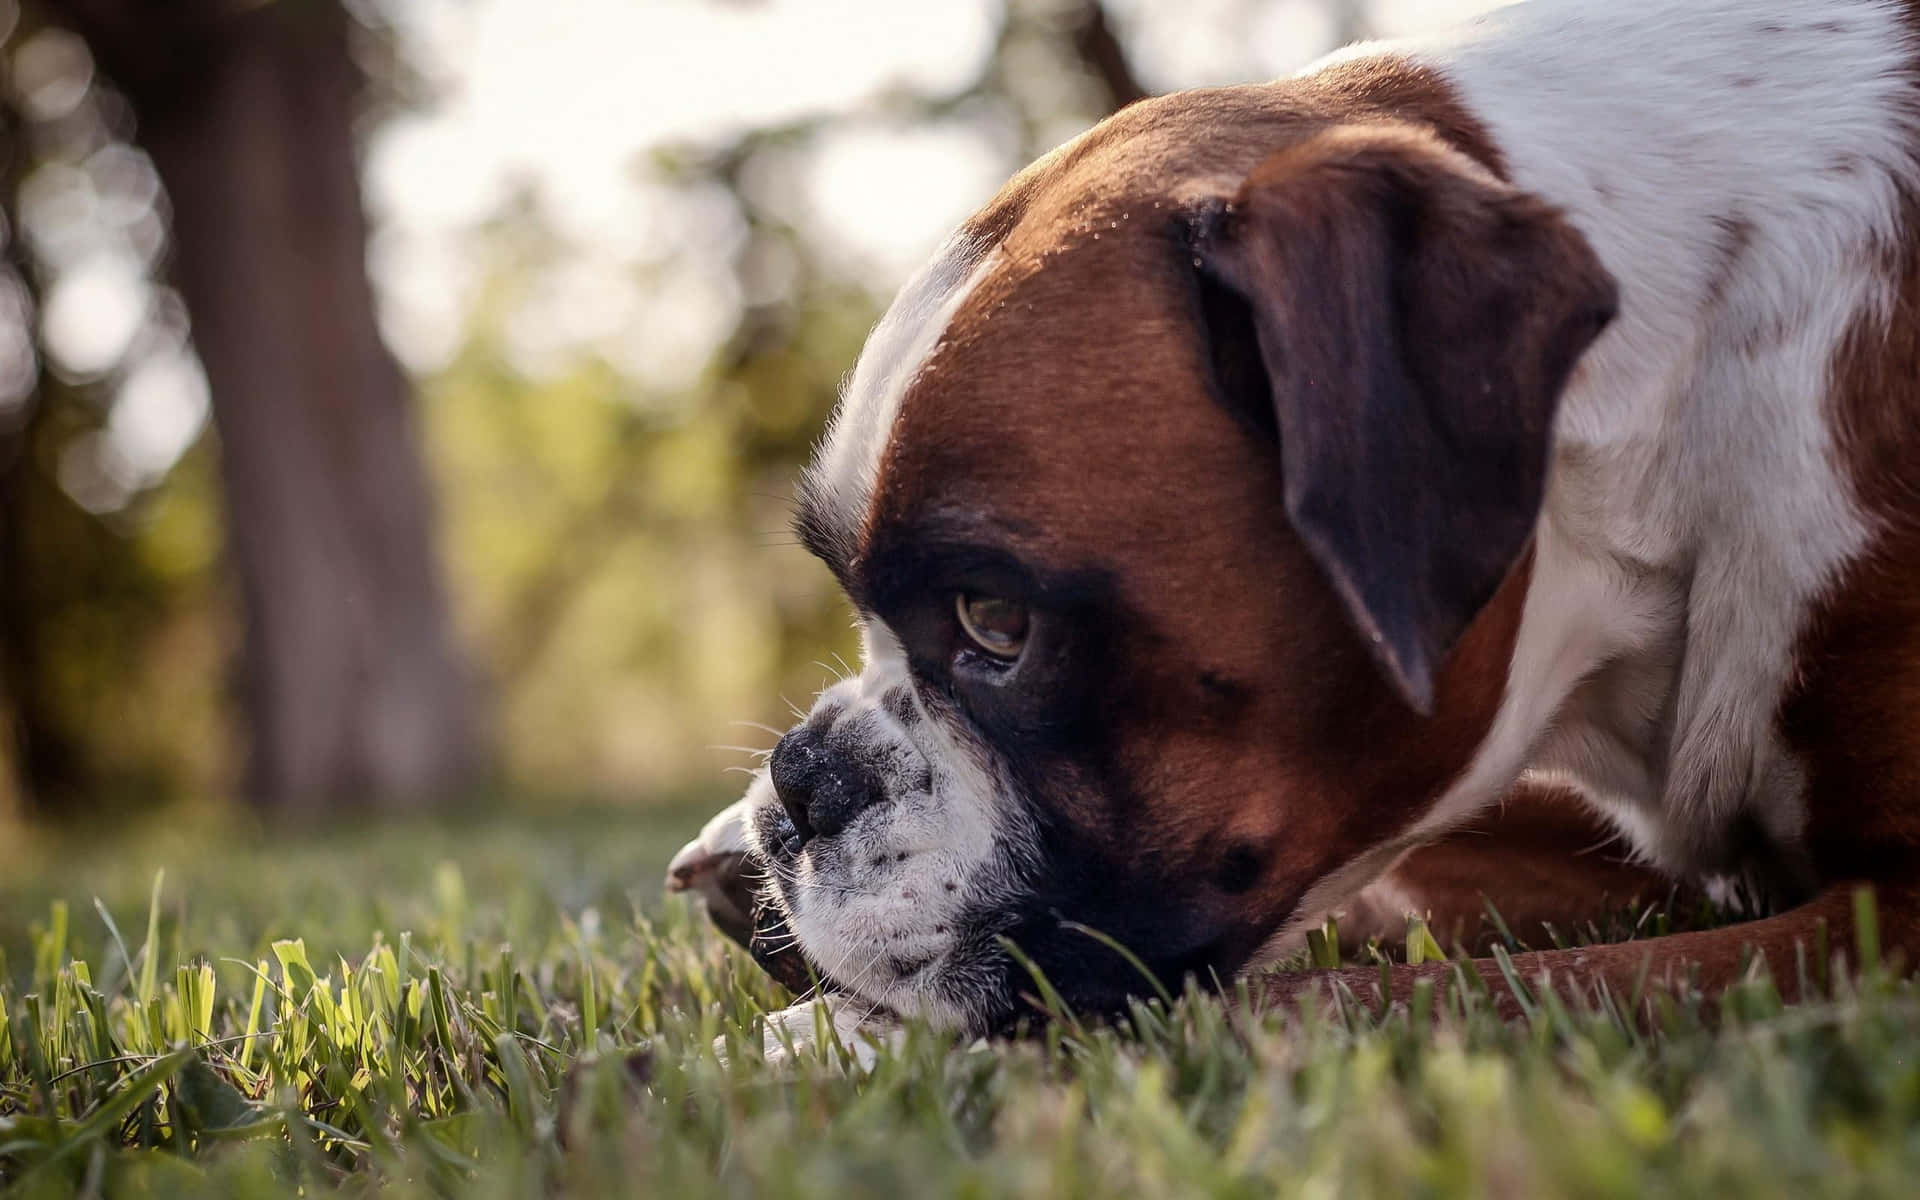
pixel 512 1009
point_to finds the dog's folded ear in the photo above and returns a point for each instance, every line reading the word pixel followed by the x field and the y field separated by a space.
pixel 1415 320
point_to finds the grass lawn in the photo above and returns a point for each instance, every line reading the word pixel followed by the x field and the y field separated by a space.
pixel 394 1009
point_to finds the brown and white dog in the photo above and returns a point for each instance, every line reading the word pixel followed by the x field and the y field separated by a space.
pixel 1277 480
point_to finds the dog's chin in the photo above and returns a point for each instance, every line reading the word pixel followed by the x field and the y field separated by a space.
pixel 968 983
pixel 774 854
pixel 933 988
pixel 776 948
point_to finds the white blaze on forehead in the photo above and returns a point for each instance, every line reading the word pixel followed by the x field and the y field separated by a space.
pixel 847 467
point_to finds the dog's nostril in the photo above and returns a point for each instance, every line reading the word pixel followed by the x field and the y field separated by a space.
pixel 821 788
pixel 792 768
pixel 836 797
pixel 797 813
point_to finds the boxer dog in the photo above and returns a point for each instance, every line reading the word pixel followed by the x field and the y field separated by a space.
pixel 1471 433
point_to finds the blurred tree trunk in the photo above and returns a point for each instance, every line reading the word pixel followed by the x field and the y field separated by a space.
pixel 46 762
pixel 44 759
pixel 1098 46
pixel 350 681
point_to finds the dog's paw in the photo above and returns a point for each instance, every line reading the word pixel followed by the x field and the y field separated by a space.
pixel 811 1028
pixel 714 867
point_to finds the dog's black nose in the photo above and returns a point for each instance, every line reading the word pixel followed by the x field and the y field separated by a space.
pixel 821 788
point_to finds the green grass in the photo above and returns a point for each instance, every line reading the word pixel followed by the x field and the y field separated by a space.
pixel 395 1010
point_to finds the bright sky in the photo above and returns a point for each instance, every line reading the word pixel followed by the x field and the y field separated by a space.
pixel 570 98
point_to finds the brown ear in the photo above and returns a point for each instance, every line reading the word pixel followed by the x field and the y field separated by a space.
pixel 1415 319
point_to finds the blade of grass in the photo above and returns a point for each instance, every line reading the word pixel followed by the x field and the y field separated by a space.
pixel 150 953
pixel 1866 930
pixel 1053 1003
pixel 1132 959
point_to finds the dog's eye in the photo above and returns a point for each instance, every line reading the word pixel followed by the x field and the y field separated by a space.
pixel 993 623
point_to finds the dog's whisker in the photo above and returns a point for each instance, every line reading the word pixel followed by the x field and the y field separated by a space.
pixel 818 989
pixel 787 873
pixel 875 1003
pixel 875 1007
pixel 761 727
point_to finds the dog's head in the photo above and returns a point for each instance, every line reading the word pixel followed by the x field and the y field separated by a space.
pixel 1184 501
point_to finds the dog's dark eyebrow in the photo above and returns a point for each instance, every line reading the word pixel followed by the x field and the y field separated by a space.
pixel 945 544
pixel 962 527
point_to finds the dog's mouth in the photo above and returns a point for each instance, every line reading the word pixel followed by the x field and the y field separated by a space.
pixel 770 939
pixel 774 847
pixel 772 942
pixel 777 951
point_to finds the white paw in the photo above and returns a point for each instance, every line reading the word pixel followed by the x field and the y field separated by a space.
pixel 814 1027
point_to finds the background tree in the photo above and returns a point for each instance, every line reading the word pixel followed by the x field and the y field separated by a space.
pixel 348 676
pixel 104 586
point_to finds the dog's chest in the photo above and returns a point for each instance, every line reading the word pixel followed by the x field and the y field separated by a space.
pixel 1740 173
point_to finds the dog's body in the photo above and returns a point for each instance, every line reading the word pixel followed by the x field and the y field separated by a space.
pixel 1529 411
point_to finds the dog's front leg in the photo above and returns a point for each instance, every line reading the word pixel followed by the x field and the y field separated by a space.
pixel 1711 960
pixel 1540 860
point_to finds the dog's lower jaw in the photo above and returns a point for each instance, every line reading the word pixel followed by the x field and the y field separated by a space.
pixel 830 1018
pixel 925 995
pixel 811 942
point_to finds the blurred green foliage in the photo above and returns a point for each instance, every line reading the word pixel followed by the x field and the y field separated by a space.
pixel 113 618
pixel 620 558
pixel 625 582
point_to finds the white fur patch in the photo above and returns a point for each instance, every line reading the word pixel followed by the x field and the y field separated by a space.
pixel 815 1027
pixel 811 1026
pixel 847 467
